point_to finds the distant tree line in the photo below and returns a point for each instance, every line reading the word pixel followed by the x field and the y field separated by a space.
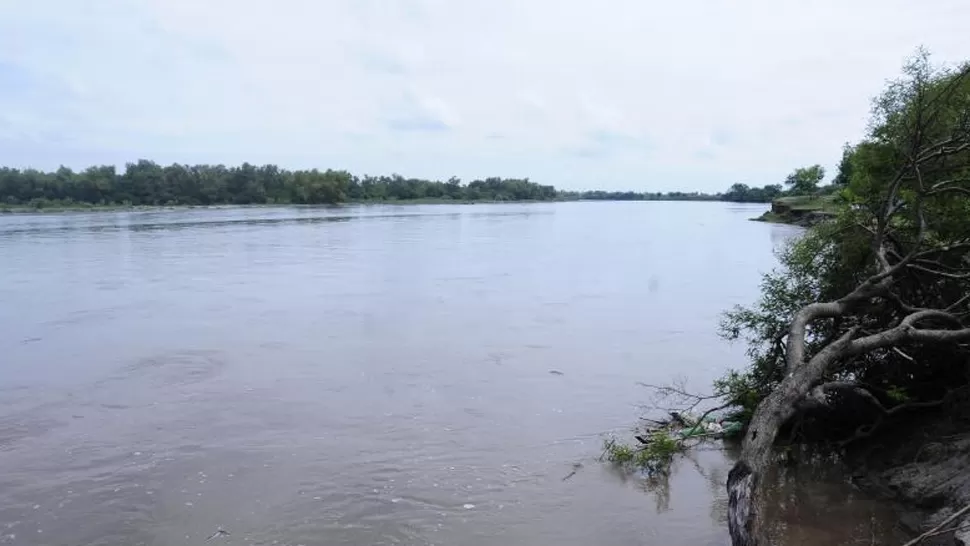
pixel 599 195
pixel 742 193
pixel 804 181
pixel 372 188
pixel 147 183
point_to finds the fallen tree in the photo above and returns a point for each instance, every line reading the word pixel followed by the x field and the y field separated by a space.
pixel 874 303
pixel 675 427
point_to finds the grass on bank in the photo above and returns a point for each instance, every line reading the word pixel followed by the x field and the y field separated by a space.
pixel 799 209
pixel 809 203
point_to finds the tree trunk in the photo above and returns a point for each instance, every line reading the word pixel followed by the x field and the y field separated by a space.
pixel 745 480
pixel 744 493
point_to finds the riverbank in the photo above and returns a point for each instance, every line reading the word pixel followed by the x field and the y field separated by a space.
pixel 86 207
pixel 800 210
pixel 921 465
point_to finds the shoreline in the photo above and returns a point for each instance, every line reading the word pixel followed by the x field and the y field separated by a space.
pixel 806 220
pixel 919 466
pixel 58 209
pixel 800 210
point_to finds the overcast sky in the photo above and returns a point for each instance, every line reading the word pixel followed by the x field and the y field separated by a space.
pixel 611 94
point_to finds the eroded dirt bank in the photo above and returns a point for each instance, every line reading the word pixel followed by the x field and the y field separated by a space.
pixel 922 465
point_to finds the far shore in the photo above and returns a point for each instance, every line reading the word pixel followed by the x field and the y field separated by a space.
pixel 85 207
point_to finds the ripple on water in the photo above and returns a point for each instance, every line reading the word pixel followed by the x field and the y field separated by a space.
pixel 178 368
pixel 361 381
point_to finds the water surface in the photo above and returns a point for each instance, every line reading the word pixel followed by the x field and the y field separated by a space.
pixel 367 375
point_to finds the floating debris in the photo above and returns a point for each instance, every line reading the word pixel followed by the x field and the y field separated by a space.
pixel 576 468
pixel 219 532
pixel 661 440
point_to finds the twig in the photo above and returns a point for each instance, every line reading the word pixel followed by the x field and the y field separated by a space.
pixel 701 436
pixel 957 303
pixel 682 395
pixel 704 415
pixel 219 532
pixel 576 468
pixel 940 273
pixel 900 352
pixel 936 530
pixel 945 531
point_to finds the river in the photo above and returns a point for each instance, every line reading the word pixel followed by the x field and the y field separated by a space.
pixel 371 375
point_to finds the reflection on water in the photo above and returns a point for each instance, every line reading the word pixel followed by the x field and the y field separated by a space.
pixel 812 503
pixel 362 375
pixel 217 217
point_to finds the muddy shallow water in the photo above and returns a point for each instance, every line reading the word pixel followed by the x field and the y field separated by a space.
pixel 372 375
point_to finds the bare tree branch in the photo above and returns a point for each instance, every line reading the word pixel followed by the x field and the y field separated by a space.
pixel 957 303
pixel 939 273
pixel 683 397
pixel 935 531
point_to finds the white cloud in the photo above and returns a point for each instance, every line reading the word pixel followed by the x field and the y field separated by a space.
pixel 626 94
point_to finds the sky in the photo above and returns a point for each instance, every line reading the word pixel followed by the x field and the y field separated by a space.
pixel 609 94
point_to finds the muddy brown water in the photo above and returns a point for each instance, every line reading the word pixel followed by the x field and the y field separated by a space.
pixel 373 375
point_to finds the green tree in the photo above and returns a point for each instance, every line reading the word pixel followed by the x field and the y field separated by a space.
pixel 772 190
pixel 147 183
pixel 873 303
pixel 742 193
pixel 96 184
pixel 738 192
pixel 805 180
pixel 844 175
